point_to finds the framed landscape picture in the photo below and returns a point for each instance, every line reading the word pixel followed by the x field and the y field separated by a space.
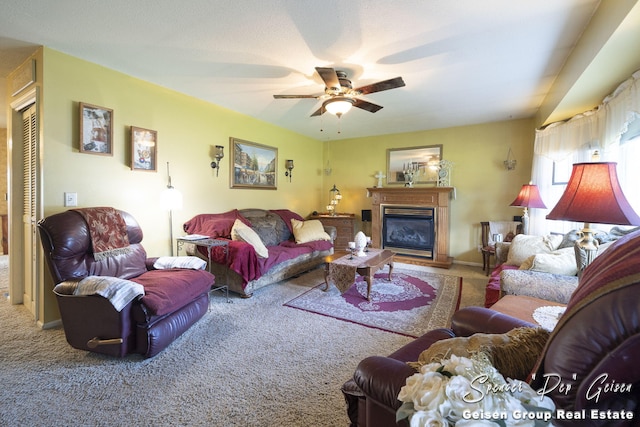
pixel 253 165
pixel 422 161
pixel 144 149
pixel 96 130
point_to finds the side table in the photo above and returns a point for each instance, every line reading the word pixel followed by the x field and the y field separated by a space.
pixel 209 244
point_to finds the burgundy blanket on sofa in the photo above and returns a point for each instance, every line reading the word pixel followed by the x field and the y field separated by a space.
pixel 241 257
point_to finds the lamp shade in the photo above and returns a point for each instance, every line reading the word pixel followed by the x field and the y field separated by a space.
pixel 338 105
pixel 529 197
pixel 593 195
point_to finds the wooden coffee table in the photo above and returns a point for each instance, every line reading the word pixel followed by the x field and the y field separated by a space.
pixel 367 268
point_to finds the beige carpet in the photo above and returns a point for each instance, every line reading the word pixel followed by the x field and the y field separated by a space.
pixel 250 363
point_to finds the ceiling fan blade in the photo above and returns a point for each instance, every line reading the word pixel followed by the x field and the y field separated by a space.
pixel 294 96
pixel 329 77
pixel 380 86
pixel 366 105
pixel 320 111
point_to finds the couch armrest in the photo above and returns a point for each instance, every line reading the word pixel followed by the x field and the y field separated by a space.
pixel 331 231
pixel 381 378
pixel 471 320
pixel 546 286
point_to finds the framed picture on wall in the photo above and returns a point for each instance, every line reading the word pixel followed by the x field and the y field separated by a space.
pixel 561 172
pixel 253 165
pixel 96 130
pixel 144 149
pixel 423 162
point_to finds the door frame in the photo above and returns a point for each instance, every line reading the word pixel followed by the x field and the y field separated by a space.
pixel 17 259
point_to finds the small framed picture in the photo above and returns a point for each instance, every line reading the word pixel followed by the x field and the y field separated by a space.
pixel 144 149
pixel 253 165
pixel 96 130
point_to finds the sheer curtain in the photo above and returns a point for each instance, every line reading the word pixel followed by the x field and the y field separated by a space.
pixel 611 132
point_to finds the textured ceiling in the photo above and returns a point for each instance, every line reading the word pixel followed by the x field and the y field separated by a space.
pixel 463 61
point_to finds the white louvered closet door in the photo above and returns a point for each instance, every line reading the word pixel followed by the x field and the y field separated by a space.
pixel 29 139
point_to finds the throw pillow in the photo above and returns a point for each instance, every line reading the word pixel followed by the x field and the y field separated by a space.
pixel 523 246
pixel 242 232
pixel 514 354
pixel 189 262
pixel 562 261
pixel 308 231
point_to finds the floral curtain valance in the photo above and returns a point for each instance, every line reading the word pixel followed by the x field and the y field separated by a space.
pixel 598 128
pixel 561 144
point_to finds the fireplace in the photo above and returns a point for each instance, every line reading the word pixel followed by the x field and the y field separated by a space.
pixel 408 230
pixel 412 222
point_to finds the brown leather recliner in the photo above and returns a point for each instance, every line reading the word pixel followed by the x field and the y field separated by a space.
pixel 174 299
pixel 593 351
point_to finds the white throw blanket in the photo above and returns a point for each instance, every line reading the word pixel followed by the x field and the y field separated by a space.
pixel 119 292
pixel 503 228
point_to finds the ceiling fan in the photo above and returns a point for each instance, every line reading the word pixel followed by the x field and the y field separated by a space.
pixel 339 95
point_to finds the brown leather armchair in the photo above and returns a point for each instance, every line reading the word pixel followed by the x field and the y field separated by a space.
pixel 173 300
pixel 593 351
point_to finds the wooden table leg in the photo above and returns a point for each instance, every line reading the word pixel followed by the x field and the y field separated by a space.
pixel 326 277
pixel 390 268
pixel 369 280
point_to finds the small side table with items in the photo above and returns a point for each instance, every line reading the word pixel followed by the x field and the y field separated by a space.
pixel 207 243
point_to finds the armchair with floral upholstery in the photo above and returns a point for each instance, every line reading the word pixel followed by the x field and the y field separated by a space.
pixel 544 267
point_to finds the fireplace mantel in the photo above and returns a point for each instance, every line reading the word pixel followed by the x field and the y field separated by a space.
pixel 436 197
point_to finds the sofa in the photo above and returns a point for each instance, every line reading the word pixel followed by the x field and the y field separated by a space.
pixel 590 356
pixel 112 298
pixel 264 246
pixel 544 267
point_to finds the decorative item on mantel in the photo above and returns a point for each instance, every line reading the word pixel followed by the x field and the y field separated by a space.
pixel 379 176
pixel 410 170
pixel 361 243
pixel 444 173
pixel 334 200
pixel 511 162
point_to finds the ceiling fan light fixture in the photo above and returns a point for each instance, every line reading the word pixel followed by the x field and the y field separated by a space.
pixel 338 105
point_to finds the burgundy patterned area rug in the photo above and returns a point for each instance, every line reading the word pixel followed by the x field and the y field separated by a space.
pixel 411 304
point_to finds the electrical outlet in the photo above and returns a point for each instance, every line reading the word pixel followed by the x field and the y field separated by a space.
pixel 71 199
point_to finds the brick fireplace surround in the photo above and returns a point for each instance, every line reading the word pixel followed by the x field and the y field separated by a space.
pixel 435 197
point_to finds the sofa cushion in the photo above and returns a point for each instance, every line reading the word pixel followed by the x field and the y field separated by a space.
pixel 546 286
pixel 523 246
pixel 269 225
pixel 561 261
pixel 266 227
pixel 308 231
pixel 244 233
pixel 168 290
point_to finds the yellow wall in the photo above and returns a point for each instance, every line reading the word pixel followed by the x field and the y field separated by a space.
pixel 484 188
pixel 187 130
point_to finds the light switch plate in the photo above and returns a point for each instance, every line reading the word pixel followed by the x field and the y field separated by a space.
pixel 71 199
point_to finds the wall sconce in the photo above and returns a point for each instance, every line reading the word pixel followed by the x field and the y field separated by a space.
pixel 288 166
pixel 219 154
pixel 511 162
